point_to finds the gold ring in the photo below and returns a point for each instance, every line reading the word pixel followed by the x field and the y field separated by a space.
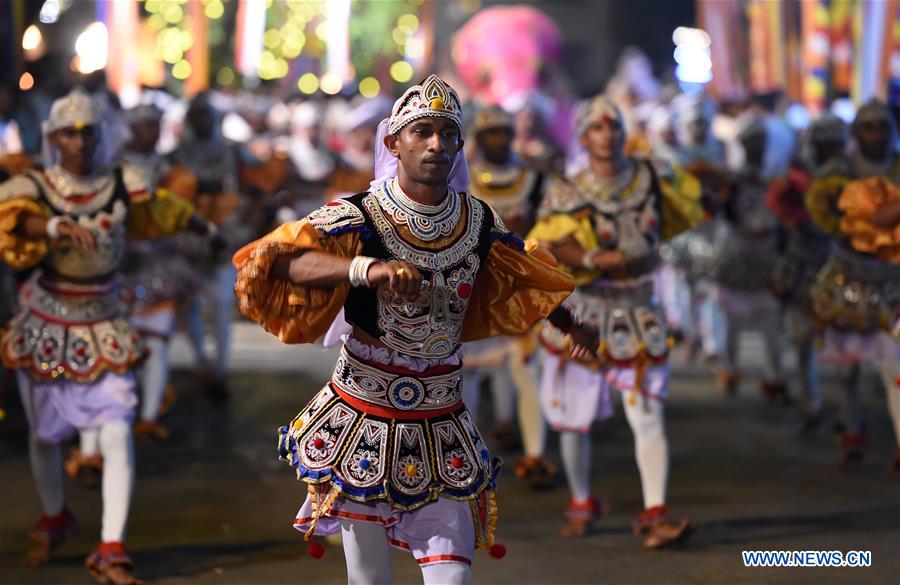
pixel 400 272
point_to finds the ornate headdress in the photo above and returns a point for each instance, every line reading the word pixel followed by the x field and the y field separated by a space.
pixel 75 110
pixel 827 128
pixel 491 117
pixel 596 109
pixel 432 99
pixel 875 110
pixel 143 113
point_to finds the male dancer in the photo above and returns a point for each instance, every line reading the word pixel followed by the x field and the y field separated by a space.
pixel 606 225
pixel 388 450
pixel 72 349
pixel 856 297
pixel 807 249
pixel 513 190
pixel 745 258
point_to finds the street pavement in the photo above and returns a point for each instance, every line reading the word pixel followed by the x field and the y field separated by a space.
pixel 213 505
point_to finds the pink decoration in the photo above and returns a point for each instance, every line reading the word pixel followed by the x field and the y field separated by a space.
pixel 500 52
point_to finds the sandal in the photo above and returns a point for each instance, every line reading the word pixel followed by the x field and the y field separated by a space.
pixel 658 530
pixel 536 471
pixel 580 516
pixel 48 534
pixel 110 564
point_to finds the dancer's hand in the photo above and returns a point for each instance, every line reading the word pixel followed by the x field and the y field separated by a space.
pixel 586 340
pixel 81 237
pixel 608 260
pixel 402 278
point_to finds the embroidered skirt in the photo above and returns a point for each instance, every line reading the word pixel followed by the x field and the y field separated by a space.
pixel 64 329
pixel 379 433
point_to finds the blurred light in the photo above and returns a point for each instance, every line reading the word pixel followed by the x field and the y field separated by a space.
pixel 399 36
pixel 690 73
pixel 32 38
pixel 690 36
pixel 214 10
pixel 281 68
pixel 797 116
pixel 308 83
pixel 292 45
pixel 157 22
pixel 186 40
pixel 181 70
pixel 844 109
pixel 26 82
pixel 173 13
pixel 50 12
pixel 414 48
pixel 172 54
pixel 331 83
pixel 692 55
pixel 92 47
pixel 235 128
pixel 152 6
pixel 408 23
pixel 271 38
pixel 401 71
pixel 369 87
pixel 225 76
pixel 322 30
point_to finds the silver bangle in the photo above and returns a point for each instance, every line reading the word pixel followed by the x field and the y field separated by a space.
pixel 359 271
pixel 53 225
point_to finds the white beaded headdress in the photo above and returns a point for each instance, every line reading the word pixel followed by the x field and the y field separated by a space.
pixel 487 117
pixel 432 99
pixel 75 110
pixel 596 109
pixel 143 113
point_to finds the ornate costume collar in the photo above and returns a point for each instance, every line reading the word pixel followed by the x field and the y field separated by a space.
pixel 606 188
pixel 76 194
pixel 426 222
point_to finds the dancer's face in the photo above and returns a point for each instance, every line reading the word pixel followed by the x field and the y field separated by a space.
pixel 604 139
pixel 426 149
pixel 496 144
pixel 873 137
pixel 145 135
pixel 76 148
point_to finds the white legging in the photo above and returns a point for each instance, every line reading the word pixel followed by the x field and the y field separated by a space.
pixel 515 381
pixel 89 440
pixel 531 419
pixel 154 376
pixel 116 444
pixel 647 421
pixel 219 292
pixel 368 557
pixel 851 378
pixel 501 390
pixel 890 376
pixel 799 329
pixel 770 327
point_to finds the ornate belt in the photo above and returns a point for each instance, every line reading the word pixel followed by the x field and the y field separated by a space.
pixel 71 303
pixel 434 389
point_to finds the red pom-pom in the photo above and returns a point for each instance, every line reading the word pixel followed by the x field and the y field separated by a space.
pixel 315 549
pixel 498 551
